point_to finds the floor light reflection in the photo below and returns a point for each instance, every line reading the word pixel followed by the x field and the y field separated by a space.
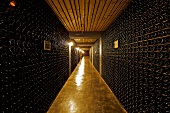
pixel 79 76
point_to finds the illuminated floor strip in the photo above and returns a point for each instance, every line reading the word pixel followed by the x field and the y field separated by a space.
pixel 85 92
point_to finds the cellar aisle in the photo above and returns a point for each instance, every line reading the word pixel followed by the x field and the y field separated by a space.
pixel 86 92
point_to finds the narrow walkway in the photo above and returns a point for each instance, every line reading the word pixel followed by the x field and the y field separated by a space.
pixel 85 92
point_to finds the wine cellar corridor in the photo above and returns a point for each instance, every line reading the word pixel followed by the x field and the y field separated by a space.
pixel 119 51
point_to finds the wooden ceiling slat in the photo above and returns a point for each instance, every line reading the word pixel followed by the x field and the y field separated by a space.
pixel 73 21
pixel 59 14
pixel 86 14
pixel 65 11
pixel 106 16
pixel 117 14
pixel 71 13
pixel 101 4
pixel 82 13
pixel 78 13
pixel 122 8
pixel 118 8
pixel 94 14
pixel 105 22
pixel 104 12
pixel 60 10
pixel 90 13
pixel 75 13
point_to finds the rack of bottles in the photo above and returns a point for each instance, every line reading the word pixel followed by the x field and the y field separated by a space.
pixel 31 77
pixel 139 69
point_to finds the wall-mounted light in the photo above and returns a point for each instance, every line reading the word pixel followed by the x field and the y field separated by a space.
pixel 70 43
pixel 78 48
pixel 12 3
pixel 116 44
pixel 82 51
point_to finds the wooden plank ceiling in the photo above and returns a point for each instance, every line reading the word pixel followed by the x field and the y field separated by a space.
pixel 87 15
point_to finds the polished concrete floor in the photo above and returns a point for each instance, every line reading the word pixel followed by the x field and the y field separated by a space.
pixel 86 92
